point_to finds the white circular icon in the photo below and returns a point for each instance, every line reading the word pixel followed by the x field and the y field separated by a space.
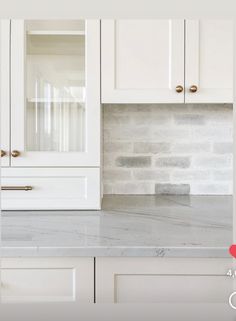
pixel 230 300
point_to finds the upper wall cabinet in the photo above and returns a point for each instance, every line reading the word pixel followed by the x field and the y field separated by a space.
pixel 142 61
pixel 55 93
pixel 209 61
pixel 167 61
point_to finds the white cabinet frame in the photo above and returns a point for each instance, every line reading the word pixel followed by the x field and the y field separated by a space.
pixel 5 90
pixel 91 155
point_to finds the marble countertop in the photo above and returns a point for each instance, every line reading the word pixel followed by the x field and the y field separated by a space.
pixel 161 226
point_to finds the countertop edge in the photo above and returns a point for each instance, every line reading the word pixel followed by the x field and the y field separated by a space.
pixel 138 251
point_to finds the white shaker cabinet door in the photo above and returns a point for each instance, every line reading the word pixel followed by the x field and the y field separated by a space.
pixel 162 280
pixel 5 90
pixel 142 61
pixel 47 280
pixel 209 61
pixel 55 93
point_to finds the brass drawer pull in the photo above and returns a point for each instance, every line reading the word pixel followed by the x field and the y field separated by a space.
pixel 16 188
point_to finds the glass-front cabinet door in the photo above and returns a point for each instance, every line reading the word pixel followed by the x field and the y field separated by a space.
pixel 55 93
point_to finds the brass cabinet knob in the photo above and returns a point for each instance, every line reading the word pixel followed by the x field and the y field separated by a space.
pixel 179 89
pixel 3 153
pixel 15 153
pixel 193 89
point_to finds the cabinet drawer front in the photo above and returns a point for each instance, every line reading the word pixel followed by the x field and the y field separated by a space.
pixel 47 280
pixel 76 189
pixel 172 288
pixel 38 284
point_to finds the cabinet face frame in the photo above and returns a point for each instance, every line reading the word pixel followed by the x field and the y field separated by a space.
pixel 111 93
pixel 194 62
pixel 91 156
pixel 5 89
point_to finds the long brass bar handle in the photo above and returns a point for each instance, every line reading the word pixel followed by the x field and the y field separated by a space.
pixel 16 188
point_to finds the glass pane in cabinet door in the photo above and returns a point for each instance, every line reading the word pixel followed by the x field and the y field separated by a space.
pixel 55 91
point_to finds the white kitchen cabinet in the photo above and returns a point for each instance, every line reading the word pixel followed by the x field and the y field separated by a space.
pixel 142 61
pixel 162 280
pixel 209 61
pixel 50 114
pixel 47 280
pixel 5 90
pixel 151 61
pixel 50 189
pixel 55 93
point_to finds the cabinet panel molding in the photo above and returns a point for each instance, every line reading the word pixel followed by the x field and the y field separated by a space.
pixel 142 61
pixel 47 280
pixel 209 61
pixel 162 280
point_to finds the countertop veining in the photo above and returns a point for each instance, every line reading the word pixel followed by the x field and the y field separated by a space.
pixel 162 226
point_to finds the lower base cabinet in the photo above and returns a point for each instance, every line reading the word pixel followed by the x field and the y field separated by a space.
pixel 116 280
pixel 162 280
pixel 47 280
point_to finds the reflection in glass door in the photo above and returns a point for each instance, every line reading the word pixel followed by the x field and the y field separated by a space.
pixel 55 86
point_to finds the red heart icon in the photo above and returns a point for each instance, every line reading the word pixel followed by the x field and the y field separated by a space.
pixel 232 250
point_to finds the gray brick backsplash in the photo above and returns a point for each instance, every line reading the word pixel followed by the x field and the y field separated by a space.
pixel 145 119
pixel 191 175
pixel 191 148
pixel 223 175
pixel 121 133
pixel 180 162
pixel 107 188
pixel 170 134
pixel 133 161
pixel 151 175
pixel 152 148
pixel 212 162
pixel 211 189
pixel 133 188
pixel 111 119
pixel 167 148
pixel 117 147
pixel 189 119
pixel 223 148
pixel 212 134
pixel 117 175
pixel 175 189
